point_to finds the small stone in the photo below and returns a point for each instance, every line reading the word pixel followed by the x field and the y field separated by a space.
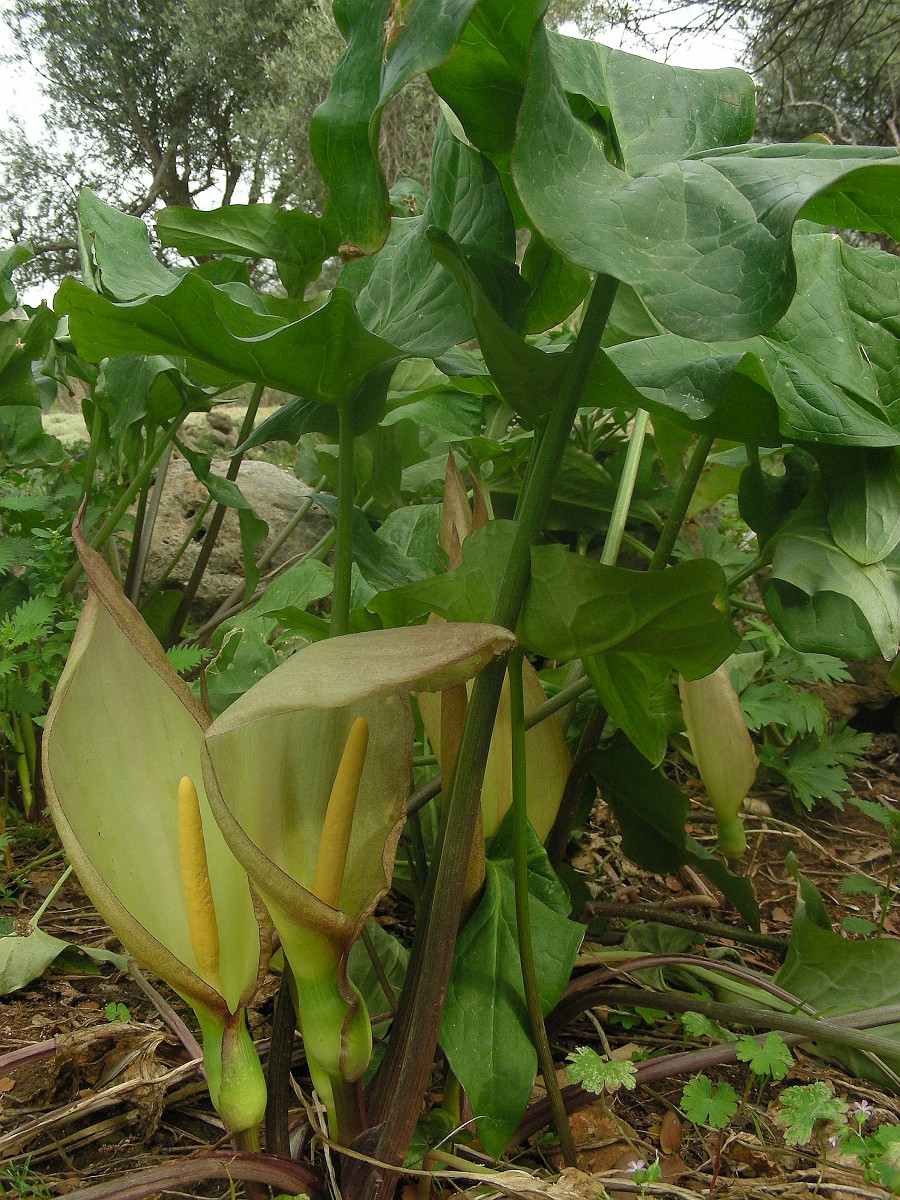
pixel 274 494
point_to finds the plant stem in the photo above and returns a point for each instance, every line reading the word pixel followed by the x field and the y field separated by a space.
pixel 25 783
pixel 234 603
pixel 886 894
pixel 179 553
pixel 523 910
pixel 127 496
pixel 215 524
pixel 383 982
pixel 138 560
pixel 683 1063
pixel 681 501
pixel 91 461
pixel 278 1085
pixel 558 838
pixel 612 544
pixel 564 697
pixel 679 920
pixel 51 896
pixel 747 606
pixel 403 1078
pixel 625 491
pixel 814 1028
pixel 745 573
pixel 139 516
pixel 343 546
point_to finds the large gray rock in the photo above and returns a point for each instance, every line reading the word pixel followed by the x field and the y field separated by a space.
pixel 274 494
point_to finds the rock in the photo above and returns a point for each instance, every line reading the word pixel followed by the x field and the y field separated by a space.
pixel 220 420
pixel 861 700
pixel 274 494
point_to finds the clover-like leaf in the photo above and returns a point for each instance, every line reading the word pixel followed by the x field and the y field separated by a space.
pixel 598 1075
pixel 772 1058
pixel 708 1103
pixel 801 1108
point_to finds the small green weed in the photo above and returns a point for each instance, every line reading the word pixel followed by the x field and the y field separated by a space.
pixel 598 1075
pixel 18 1180
pixel 800 745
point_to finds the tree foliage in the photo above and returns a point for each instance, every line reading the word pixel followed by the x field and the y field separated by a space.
pixel 175 102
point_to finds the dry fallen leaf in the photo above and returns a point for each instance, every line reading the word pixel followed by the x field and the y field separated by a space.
pixel 571 1185
pixel 670 1133
pixel 600 1139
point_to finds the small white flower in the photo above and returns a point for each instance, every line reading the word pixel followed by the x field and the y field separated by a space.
pixel 636 1164
pixel 862 1110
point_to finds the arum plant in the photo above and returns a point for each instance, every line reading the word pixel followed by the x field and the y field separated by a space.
pixel 123 776
pixel 722 750
pixel 307 775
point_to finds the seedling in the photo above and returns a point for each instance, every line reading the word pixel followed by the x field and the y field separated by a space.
pixel 771 1060
pixel 805 1110
pixel 879 1152
pixel 808 754
pixel 712 1106
pixel 599 1075
pixel 643 1172
pixel 696 1025
pixel 117 1011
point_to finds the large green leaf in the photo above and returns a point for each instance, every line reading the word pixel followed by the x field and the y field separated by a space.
pixel 11 258
pixel 624 684
pixel 841 331
pixel 651 812
pixel 720 392
pixel 575 606
pixel 824 601
pixel 829 364
pixel 124 266
pixel 133 387
pixel 298 242
pixel 21 343
pixel 485 1031
pixel 402 293
pixel 526 376
pixel 648 112
pixel 483 78
pixel 386 46
pixel 325 356
pixel 22 437
pixel 381 563
pixel 704 240
pixel 863 500
pixel 840 976
pixel 557 286
pixel 766 499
